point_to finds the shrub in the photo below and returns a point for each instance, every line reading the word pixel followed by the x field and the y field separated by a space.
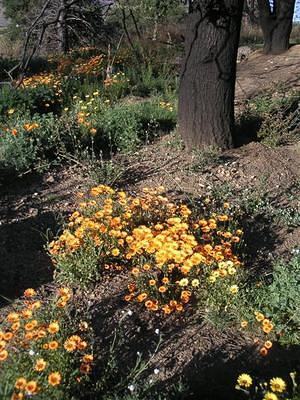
pixel 34 144
pixel 40 99
pixel 281 299
pixel 43 350
pixel 173 254
pixel 124 126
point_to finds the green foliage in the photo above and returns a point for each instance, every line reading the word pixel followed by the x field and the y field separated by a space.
pixel 281 299
pixel 124 126
pixel 33 144
pixel 274 116
pixel 41 99
pixel 79 269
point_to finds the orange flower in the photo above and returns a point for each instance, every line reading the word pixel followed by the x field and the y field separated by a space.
pixel 148 303
pixel 8 336
pixel 259 316
pixel 26 314
pixel 53 328
pixel 20 383
pixel 29 292
pixel 3 355
pixel 263 351
pixel 61 303
pixel 268 344
pixel 162 289
pixel 31 387
pixel 17 396
pixel 267 328
pixel 141 297
pixel 15 326
pixel 152 282
pixel 88 358
pixel 85 368
pixel 70 345
pixel 53 345
pixel 40 365
pixel 54 379
pixel 244 324
pixel 13 317
pixel 82 345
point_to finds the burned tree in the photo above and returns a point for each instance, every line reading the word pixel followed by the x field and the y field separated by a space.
pixel 276 19
pixel 206 98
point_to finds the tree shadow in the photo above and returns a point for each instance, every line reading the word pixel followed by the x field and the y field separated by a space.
pixel 24 260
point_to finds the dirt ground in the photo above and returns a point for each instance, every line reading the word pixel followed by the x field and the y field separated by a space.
pixel 261 71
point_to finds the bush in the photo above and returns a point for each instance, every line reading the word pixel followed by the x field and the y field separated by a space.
pixel 173 255
pixel 281 299
pixel 44 350
pixel 34 144
pixel 40 99
pixel 124 126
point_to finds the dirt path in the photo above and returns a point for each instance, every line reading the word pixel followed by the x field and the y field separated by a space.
pixel 261 71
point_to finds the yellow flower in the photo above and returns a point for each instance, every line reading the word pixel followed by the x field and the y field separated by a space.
pixel 270 396
pixel 88 358
pixel 31 387
pixel 115 252
pixel 10 111
pixel 40 365
pixel 54 379
pixel 259 316
pixel 53 345
pixel 244 324
pixel 53 328
pixel 277 385
pixel 70 345
pixel 195 282
pixel 20 383
pixel 234 289
pixel 29 292
pixel 12 317
pixel 3 355
pixel 244 380
pixel 183 282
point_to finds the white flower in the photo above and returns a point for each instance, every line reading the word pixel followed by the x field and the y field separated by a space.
pixel 157 331
pixel 156 371
pixel 131 387
pixel 31 353
pixel 129 313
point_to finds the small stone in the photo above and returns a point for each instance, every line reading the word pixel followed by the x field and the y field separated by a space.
pixel 50 179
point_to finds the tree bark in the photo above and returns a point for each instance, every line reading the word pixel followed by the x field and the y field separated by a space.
pixel 206 95
pixel 63 31
pixel 276 24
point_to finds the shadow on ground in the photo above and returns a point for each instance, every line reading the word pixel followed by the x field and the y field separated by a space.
pixel 24 260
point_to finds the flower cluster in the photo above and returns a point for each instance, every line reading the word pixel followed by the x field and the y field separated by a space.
pixel 170 251
pixel 166 105
pixel 39 344
pixel 274 389
pixel 91 66
pixel 45 78
pixel 117 78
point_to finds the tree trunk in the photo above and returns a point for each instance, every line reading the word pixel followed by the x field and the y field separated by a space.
pixel 63 32
pixel 206 95
pixel 276 24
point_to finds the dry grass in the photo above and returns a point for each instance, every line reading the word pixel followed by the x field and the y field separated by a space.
pixel 9 48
